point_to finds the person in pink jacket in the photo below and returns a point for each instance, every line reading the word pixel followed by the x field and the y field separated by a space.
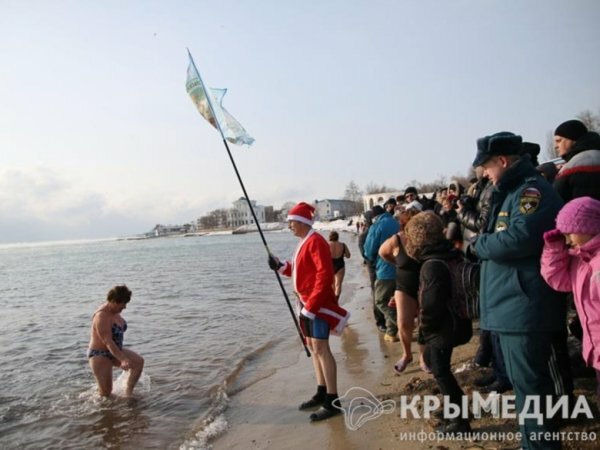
pixel 571 263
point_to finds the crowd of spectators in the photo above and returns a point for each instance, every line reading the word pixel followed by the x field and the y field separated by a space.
pixel 513 212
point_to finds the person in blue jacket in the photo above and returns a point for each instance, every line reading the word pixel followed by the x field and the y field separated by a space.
pixel 516 303
pixel 384 226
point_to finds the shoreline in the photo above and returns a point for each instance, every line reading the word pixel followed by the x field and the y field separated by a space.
pixel 264 414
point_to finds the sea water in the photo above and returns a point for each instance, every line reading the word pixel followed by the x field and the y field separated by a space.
pixel 202 309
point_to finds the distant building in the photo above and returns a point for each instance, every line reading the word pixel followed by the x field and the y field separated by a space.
pixel 240 214
pixel 170 230
pixel 329 209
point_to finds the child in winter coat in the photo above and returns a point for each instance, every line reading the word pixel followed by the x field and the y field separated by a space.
pixel 440 330
pixel 571 263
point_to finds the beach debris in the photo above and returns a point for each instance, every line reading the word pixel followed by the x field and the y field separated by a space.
pixel 414 384
pixel 469 365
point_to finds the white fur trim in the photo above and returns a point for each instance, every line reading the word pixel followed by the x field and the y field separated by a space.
pixel 307 313
pixel 343 320
pixel 281 270
pixel 300 219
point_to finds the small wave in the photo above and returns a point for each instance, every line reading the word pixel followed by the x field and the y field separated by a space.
pixel 212 430
pixel 249 357
pixel 92 400
pixel 214 423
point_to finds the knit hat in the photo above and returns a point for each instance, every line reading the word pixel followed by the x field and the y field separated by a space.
pixel 580 216
pixel 376 211
pixel 410 190
pixel 533 150
pixel 424 229
pixel 571 129
pixel 502 143
pixel 302 212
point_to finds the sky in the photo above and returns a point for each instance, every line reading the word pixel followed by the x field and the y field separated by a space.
pixel 98 137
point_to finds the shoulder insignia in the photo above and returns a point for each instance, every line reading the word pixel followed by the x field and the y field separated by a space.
pixel 530 200
pixel 503 214
pixel 501 226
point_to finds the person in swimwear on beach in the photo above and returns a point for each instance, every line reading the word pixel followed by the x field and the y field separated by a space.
pixel 339 251
pixel 106 343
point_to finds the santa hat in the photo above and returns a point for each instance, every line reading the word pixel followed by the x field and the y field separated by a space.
pixel 302 212
pixel 580 216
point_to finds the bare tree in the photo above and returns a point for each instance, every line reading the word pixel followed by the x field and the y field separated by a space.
pixel 590 120
pixel 353 192
pixel 214 219
pixel 550 151
pixel 373 188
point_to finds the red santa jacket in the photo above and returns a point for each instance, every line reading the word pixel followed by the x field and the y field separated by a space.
pixel 312 273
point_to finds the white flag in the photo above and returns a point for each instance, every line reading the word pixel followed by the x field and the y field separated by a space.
pixel 231 129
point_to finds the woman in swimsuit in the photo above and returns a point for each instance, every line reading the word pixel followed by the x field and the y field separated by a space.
pixel 106 343
pixel 406 293
pixel 339 251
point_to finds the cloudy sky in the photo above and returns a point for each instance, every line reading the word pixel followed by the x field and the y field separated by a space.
pixel 98 137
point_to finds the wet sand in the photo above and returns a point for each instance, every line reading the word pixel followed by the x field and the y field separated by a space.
pixel 265 414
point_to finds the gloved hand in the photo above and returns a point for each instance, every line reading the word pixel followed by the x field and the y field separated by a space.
pixel 553 236
pixel 274 262
pixel 471 246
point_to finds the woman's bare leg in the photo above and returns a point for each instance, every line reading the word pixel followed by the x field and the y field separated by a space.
pixel 102 368
pixel 136 365
pixel 406 310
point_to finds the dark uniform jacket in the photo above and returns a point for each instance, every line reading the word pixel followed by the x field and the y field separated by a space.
pixel 514 296
pixel 438 325
pixel 580 176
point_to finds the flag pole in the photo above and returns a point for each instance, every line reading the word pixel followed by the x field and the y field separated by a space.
pixel 237 173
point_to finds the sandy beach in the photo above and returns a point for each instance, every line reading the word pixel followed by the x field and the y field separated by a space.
pixel 265 414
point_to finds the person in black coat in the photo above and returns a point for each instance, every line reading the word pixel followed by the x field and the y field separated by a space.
pixel 579 176
pixel 440 329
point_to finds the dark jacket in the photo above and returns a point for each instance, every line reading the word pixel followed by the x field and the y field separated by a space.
pixel 514 297
pixel 362 237
pixel 474 216
pixel 438 325
pixel 580 176
pixel 384 226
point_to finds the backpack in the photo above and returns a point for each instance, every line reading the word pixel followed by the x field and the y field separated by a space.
pixel 464 278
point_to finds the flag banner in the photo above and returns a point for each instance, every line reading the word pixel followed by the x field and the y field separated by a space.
pixel 231 129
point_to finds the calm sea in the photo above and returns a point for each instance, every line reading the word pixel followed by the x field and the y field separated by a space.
pixel 203 309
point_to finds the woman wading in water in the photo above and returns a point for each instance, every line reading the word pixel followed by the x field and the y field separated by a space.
pixel 106 343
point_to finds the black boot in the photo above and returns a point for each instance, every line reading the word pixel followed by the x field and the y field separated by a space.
pixel 330 408
pixel 317 400
pixel 454 426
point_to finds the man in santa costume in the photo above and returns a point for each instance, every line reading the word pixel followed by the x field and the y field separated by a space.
pixel 312 273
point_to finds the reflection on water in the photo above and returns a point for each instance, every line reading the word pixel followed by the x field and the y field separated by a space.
pixel 193 299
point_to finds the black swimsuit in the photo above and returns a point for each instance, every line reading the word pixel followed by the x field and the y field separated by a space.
pixel 407 272
pixel 338 263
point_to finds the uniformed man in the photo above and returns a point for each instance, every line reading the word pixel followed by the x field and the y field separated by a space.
pixel 516 303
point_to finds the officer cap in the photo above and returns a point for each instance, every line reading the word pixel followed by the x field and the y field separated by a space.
pixel 503 143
